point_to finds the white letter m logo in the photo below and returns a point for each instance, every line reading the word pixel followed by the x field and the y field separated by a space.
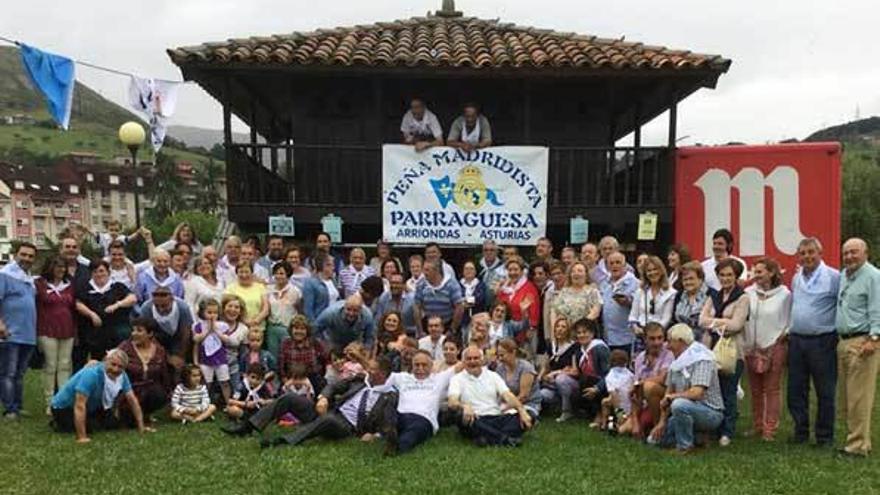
pixel 750 183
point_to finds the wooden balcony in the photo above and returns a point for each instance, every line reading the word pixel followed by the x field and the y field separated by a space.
pixel 308 181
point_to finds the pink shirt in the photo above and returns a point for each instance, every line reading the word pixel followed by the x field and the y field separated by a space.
pixel 661 364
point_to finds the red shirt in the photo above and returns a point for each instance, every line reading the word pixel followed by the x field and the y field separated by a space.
pixel 528 290
pixel 55 311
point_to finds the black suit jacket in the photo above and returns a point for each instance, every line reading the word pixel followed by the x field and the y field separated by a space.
pixel 338 393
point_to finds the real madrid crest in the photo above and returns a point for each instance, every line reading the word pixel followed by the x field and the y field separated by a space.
pixel 470 190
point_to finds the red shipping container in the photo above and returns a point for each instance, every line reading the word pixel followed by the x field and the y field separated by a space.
pixel 770 197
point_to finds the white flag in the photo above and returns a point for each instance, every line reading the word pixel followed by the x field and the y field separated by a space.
pixel 157 99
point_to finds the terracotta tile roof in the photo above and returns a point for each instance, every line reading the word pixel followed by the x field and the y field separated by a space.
pixel 444 42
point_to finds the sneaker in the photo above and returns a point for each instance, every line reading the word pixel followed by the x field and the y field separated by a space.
pixel 564 417
pixel 11 416
pixel 184 421
pixel 724 441
pixel 241 429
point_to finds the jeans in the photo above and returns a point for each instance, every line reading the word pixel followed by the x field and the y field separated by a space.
pixel 729 383
pixel 493 430
pixel 564 387
pixel 812 358
pixel 14 360
pixel 412 430
pixel 687 417
pixel 275 335
pixel 58 365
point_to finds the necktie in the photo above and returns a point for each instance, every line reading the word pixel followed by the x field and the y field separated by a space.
pixel 362 409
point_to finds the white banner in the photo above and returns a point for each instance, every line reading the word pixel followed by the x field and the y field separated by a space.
pixel 451 196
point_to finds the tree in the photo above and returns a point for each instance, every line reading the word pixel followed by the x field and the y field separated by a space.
pixel 165 190
pixel 860 212
pixel 207 196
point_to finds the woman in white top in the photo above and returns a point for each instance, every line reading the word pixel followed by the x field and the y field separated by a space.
pixel 284 301
pixel 765 344
pixel 655 300
pixel 300 273
pixel 203 285
pixel 183 233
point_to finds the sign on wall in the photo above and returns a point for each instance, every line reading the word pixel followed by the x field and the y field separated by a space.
pixel 451 196
pixel 281 225
pixel 770 197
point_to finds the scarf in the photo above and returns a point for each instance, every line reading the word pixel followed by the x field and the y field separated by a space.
pixel 511 290
pixel 56 289
pixel 100 290
pixel 12 270
pixel 469 287
pixel 166 282
pixel 485 269
pixel 253 394
pixel 472 137
pixel 434 288
pixel 168 323
pixel 420 127
pixel 592 345
pixel 496 332
pixel 720 304
pixel 695 353
pixel 111 390
pixel 810 283
pixel 559 350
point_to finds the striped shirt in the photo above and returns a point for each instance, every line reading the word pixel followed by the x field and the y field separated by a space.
pixel 351 279
pixel 439 300
pixel 194 398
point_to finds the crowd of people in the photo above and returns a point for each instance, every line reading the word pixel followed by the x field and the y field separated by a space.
pixel 393 348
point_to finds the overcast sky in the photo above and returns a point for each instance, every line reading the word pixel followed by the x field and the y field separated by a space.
pixel 798 65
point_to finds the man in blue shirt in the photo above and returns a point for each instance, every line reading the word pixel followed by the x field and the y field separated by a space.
pixel 18 327
pixel 88 399
pixel 618 291
pixel 858 359
pixel 438 294
pixel 396 299
pixel 344 322
pixel 812 345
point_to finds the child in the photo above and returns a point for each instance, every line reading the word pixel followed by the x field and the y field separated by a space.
pixel 114 233
pixel 619 383
pixel 255 394
pixel 255 354
pixel 298 382
pixel 350 362
pixel 211 335
pixel 190 401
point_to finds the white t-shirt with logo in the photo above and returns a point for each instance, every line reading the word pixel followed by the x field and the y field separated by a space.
pixel 483 393
pixel 421 397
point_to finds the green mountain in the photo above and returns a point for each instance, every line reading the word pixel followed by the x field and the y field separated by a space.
pixel 867 130
pixel 94 122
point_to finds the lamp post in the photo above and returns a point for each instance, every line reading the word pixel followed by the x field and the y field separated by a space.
pixel 132 135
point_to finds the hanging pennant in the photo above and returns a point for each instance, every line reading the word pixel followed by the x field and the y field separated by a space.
pixel 55 77
pixel 157 99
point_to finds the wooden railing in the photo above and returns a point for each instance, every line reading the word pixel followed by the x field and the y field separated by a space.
pixel 351 175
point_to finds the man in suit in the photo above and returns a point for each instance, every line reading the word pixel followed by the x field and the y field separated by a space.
pixel 344 409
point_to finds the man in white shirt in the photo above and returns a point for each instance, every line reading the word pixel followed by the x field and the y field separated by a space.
pixel 419 396
pixel 420 126
pixel 433 342
pixel 482 397
pixel 722 247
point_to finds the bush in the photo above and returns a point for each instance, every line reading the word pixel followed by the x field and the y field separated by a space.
pixel 203 224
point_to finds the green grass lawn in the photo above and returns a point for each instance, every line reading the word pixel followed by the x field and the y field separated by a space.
pixel 554 458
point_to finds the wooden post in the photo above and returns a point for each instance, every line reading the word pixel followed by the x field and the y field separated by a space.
pixel 637 145
pixel 527 112
pixel 231 182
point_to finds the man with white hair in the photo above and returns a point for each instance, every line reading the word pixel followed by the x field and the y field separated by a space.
pixel 858 359
pixel 158 274
pixel 492 270
pixel 607 246
pixel 693 400
pixel 481 397
pixel 346 321
pixel 352 276
pixel 231 256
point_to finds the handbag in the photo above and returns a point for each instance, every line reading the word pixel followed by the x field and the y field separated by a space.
pixel 725 354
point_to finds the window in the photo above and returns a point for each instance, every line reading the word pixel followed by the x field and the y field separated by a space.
pixel 140 182
pixel 90 177
pixel 19 184
pixel 114 180
pixel 74 189
pixel 4 232
pixel 22 222
pixel 21 205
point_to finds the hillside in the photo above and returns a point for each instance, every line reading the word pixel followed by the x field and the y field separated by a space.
pixel 205 138
pixel 865 130
pixel 94 122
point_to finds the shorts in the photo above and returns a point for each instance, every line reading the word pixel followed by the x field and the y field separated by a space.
pixel 220 371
